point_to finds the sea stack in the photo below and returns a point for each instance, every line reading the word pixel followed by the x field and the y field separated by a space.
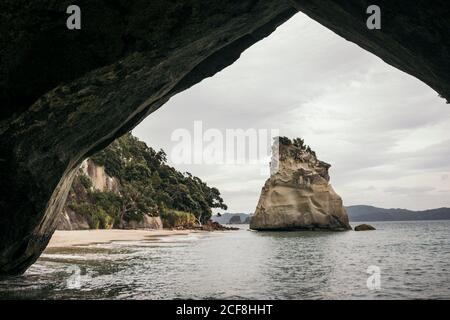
pixel 298 195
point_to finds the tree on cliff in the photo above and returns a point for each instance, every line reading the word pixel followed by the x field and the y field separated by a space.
pixel 149 185
pixel 299 143
pixel 296 142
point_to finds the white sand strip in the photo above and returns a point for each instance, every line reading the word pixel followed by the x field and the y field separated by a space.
pixel 86 237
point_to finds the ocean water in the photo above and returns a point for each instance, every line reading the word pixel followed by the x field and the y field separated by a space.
pixel 413 260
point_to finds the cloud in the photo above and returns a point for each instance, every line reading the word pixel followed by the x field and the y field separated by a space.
pixel 409 191
pixel 384 132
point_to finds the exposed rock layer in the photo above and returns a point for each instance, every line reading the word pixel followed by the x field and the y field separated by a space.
pixel 67 94
pixel 298 196
pixel 101 181
pixel 70 220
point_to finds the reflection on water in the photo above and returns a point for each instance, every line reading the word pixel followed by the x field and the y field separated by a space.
pixel 414 258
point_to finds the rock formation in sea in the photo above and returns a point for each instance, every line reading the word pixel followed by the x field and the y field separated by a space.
pixel 298 195
pixel 235 220
pixel 231 218
pixel 364 227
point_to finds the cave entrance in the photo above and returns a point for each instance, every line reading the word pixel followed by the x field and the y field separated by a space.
pixel 353 109
pixel 382 130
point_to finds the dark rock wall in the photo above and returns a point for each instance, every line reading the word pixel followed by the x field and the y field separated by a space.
pixel 414 35
pixel 67 94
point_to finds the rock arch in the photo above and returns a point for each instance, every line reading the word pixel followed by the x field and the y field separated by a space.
pixel 66 94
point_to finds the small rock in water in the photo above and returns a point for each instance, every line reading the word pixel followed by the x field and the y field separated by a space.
pixel 364 227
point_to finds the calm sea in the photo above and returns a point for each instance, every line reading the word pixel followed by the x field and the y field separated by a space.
pixel 413 260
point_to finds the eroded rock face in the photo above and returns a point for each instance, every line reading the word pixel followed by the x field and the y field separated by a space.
pixel 298 195
pixel 413 37
pixel 146 223
pixel 101 181
pixel 66 94
pixel 70 220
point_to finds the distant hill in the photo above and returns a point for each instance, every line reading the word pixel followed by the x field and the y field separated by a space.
pixel 360 213
pixel 370 213
pixel 226 217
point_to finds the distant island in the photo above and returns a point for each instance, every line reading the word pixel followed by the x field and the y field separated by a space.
pixel 359 213
pixel 370 213
pixel 231 218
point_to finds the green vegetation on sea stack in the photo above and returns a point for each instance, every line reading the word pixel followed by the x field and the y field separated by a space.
pixel 147 186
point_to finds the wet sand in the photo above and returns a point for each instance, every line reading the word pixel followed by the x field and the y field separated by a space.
pixel 86 237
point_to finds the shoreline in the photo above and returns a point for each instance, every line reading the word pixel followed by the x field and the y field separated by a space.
pixel 73 238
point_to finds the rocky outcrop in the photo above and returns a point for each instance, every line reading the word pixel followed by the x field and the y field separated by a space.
pixel 229 218
pixel 213 226
pixel 70 220
pixel 364 227
pixel 147 222
pixel 298 195
pixel 235 220
pixel 67 94
pixel 99 178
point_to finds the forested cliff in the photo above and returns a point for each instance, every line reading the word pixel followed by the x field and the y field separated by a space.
pixel 130 185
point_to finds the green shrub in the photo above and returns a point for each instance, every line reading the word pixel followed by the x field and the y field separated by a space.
pixel 96 216
pixel 176 218
pixel 85 181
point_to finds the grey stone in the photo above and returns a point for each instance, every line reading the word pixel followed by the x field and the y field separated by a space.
pixel 364 227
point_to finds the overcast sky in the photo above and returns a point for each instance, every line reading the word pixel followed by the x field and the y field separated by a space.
pixel 385 133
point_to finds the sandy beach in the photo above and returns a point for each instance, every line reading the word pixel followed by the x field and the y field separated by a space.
pixel 86 237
